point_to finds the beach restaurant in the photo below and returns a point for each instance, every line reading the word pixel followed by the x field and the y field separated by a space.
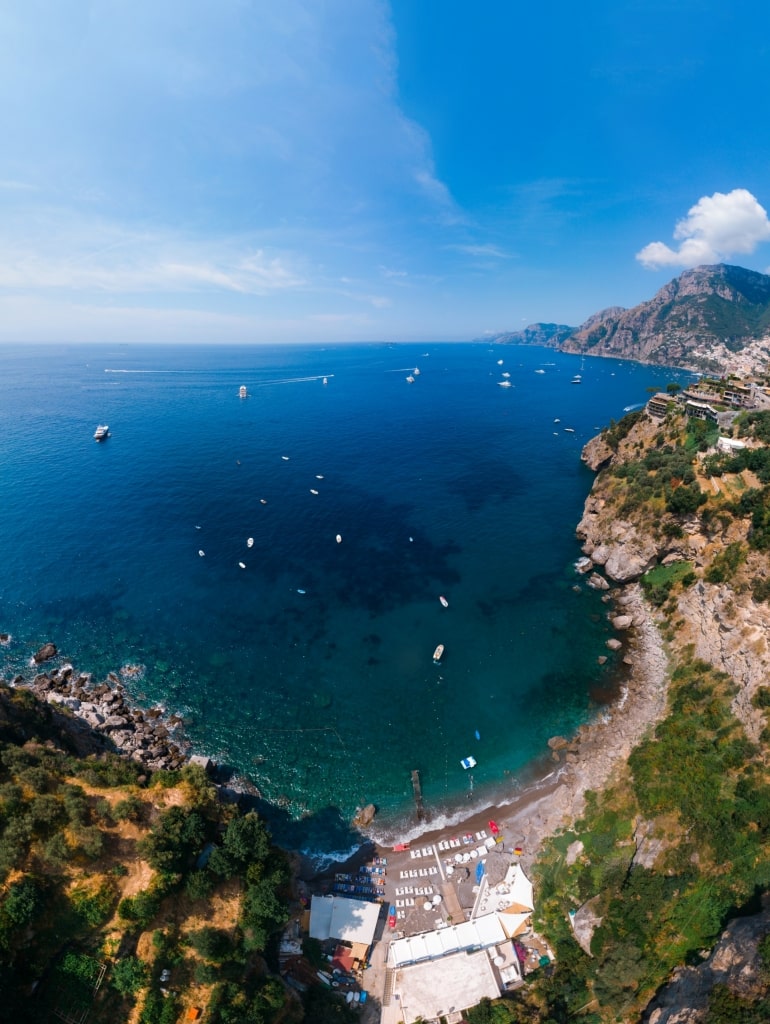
pixel 344 920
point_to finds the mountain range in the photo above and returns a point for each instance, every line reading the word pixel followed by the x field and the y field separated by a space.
pixel 710 318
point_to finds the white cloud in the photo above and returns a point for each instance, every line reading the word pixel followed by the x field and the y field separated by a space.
pixel 91 256
pixel 715 229
pixel 482 250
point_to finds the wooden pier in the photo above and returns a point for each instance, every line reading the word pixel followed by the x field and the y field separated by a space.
pixel 418 795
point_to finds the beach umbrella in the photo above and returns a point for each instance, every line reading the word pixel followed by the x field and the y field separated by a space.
pixel 450 870
pixel 437 899
pixel 428 905
pixel 474 853
pixel 459 857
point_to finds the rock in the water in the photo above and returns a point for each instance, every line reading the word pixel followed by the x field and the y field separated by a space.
pixel 622 622
pixel 558 743
pixel 598 582
pixel 613 644
pixel 46 651
pixel 365 816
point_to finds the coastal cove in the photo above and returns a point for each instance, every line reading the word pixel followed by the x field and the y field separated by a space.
pixel 309 671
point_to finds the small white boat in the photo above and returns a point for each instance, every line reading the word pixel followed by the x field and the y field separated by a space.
pixel 202 553
pixel 557 420
pixel 263 501
pixel 539 371
pixel 416 371
pixel 300 591
pixel 242 392
pixel 410 379
pixel 499 362
pixel 443 600
pixel 569 430
pixel 101 432
pixel 242 565
pixel 250 542
pixel 504 384
pixel 438 654
pixel 577 379
pixel 325 381
pixel 285 458
pixel 197 527
pixel 313 490
pixel 338 538
pixel 468 762
pixel 505 373
pixel 319 476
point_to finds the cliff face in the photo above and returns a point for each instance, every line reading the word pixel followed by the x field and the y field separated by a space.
pixel 703 311
pixel 724 624
pixel 734 962
pixel 709 318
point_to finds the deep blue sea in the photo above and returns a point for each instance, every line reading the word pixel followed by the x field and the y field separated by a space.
pixel 310 670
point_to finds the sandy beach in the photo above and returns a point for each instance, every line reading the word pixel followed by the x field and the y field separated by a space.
pixel 588 759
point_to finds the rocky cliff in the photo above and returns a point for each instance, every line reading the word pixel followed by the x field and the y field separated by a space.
pixel 709 318
pixel 722 621
pixel 734 962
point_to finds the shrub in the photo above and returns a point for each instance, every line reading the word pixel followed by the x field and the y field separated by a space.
pixel 129 975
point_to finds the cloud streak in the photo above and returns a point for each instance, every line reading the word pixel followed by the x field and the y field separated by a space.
pixel 715 229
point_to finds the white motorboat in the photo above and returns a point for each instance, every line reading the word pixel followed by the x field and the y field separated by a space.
pixel 250 542
pixel 438 654
pixel 242 392
pixel 504 384
pixel 101 432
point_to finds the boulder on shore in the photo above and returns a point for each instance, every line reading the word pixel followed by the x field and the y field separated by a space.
pixel 365 816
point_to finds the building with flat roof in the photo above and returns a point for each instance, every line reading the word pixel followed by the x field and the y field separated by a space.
pixel 432 990
pixel 346 920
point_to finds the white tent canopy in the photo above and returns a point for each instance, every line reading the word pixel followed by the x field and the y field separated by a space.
pixel 477 934
pixel 520 889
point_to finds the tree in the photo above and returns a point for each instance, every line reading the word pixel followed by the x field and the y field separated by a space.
pixel 211 943
pixel 673 388
pixel 128 975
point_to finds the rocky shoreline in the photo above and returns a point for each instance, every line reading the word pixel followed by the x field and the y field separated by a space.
pixel 99 717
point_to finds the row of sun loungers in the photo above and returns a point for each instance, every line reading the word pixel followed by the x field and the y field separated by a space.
pixel 426 851
pixel 421 890
pixel 421 872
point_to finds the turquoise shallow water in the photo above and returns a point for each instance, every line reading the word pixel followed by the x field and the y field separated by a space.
pixel 310 670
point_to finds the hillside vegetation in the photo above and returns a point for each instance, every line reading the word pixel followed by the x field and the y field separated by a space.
pixel 133 897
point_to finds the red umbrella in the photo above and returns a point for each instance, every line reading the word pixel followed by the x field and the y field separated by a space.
pixel 493 827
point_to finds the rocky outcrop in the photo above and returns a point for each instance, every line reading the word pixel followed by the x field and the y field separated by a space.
pixel 45 653
pixel 365 816
pixel 730 631
pixel 597 453
pixel 615 544
pixel 99 717
pixel 734 962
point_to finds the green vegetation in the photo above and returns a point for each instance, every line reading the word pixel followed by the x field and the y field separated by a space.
pixel 659 582
pixel 699 790
pixel 97 858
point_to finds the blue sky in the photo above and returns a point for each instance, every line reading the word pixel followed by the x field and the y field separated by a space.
pixel 339 170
